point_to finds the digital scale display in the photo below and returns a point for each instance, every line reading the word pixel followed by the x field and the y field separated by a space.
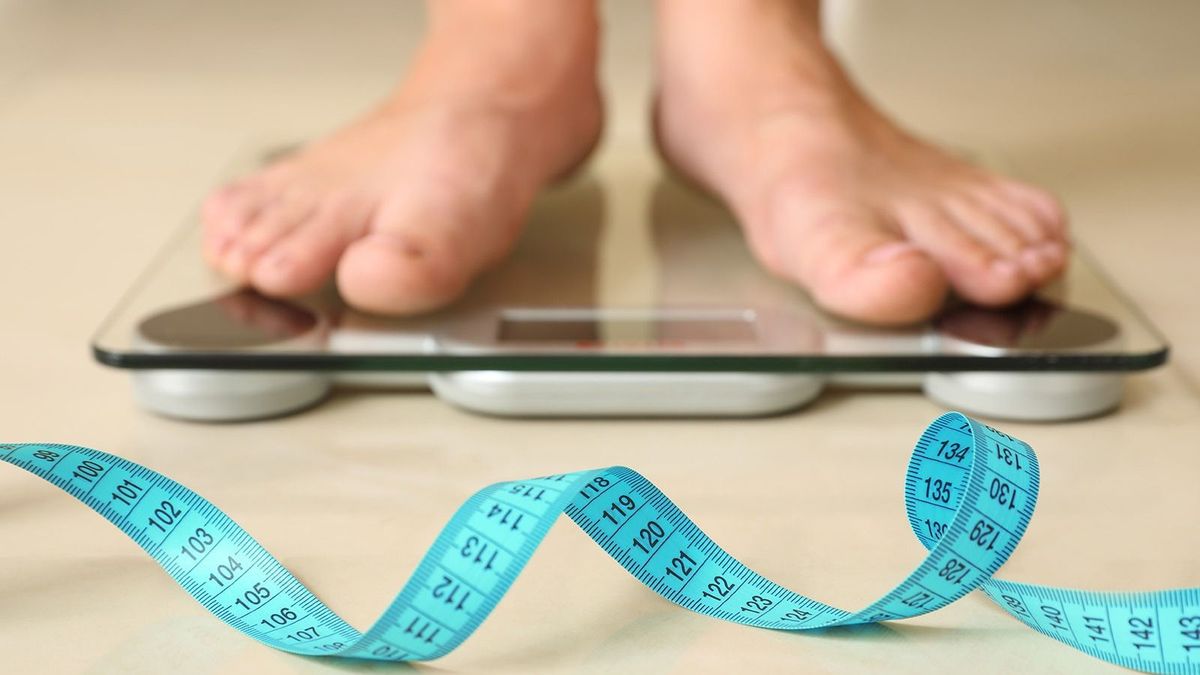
pixel 588 330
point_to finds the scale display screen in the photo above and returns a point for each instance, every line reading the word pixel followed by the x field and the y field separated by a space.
pixel 527 330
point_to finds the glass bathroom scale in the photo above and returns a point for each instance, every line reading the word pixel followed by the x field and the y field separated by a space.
pixel 673 288
pixel 607 286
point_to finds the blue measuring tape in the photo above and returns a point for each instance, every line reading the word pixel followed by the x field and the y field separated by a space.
pixel 969 493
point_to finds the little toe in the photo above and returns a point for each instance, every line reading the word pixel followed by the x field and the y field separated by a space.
pixel 1056 253
pixel 301 260
pixel 1052 260
pixel 1040 263
pixel 973 268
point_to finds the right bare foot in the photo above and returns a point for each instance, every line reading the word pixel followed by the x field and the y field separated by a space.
pixel 874 223
pixel 410 203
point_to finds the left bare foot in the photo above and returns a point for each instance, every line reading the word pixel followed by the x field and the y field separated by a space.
pixel 408 204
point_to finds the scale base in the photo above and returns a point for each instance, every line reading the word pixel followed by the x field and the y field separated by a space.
pixel 229 396
pixel 1027 397
pixel 513 394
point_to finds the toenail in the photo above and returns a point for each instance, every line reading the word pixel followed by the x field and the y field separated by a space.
pixel 407 246
pixel 412 250
pixel 1005 268
pixel 236 258
pixel 888 252
pixel 275 259
pixel 1053 251
pixel 1033 258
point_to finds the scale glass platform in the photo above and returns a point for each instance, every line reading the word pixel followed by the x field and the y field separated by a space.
pixel 603 311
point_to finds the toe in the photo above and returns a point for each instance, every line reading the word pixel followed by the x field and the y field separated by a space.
pixel 274 220
pixel 399 272
pixel 973 268
pixel 1021 217
pixel 851 263
pixel 305 257
pixel 1042 262
pixel 1053 256
pixel 1044 251
pixel 1003 239
pixel 1047 210
pixel 1055 250
pixel 1002 236
pixel 412 259
pixel 225 214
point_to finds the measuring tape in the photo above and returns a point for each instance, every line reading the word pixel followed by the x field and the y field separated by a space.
pixel 969 493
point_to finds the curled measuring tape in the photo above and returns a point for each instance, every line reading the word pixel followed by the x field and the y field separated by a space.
pixel 969 492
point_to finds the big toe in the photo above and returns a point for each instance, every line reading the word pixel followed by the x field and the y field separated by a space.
pixel 399 272
pixel 412 259
pixel 851 263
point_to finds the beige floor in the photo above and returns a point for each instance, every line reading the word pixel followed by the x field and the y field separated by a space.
pixel 115 116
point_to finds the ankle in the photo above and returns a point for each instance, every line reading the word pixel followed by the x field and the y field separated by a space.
pixel 516 43
pixel 509 55
pixel 528 64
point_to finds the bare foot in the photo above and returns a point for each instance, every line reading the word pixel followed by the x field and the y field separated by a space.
pixel 409 203
pixel 873 222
